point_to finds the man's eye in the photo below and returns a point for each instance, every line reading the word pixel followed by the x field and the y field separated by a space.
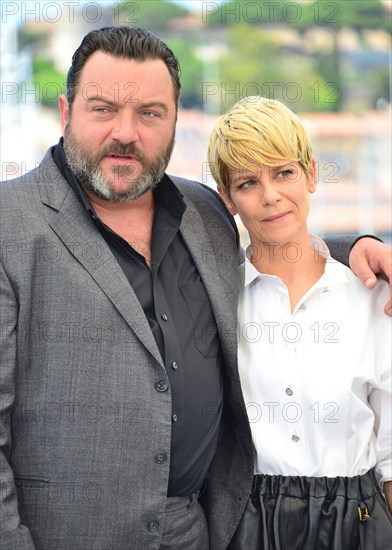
pixel 149 114
pixel 101 110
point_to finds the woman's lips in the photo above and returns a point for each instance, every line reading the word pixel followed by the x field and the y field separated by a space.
pixel 276 217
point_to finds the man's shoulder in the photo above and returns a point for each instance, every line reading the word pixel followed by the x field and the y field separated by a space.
pixel 199 193
pixel 46 170
pixel 30 186
pixel 24 196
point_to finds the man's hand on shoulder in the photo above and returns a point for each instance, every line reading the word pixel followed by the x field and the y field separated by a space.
pixel 369 258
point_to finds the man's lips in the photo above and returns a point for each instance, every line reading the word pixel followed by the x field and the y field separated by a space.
pixel 121 158
pixel 276 217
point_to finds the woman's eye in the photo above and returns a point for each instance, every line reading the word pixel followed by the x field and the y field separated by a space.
pixel 246 184
pixel 286 173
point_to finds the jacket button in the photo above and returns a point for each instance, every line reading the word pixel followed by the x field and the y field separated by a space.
pixel 152 526
pixel 160 458
pixel 161 385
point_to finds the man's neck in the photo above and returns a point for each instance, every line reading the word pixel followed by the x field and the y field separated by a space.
pixel 132 220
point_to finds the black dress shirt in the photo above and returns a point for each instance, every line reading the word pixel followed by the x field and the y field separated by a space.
pixel 178 310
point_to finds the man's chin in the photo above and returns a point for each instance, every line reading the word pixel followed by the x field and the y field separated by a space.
pixel 127 192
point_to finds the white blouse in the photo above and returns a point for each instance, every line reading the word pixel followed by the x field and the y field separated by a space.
pixel 317 382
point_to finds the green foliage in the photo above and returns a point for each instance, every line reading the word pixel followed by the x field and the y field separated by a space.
pixel 48 81
pixel 191 72
pixel 336 14
pixel 256 66
pixel 356 14
pixel 153 15
pixel 250 54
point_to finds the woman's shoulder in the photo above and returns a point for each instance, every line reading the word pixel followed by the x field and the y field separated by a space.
pixel 375 298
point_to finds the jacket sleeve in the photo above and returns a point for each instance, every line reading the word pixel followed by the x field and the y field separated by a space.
pixel 13 535
pixel 340 246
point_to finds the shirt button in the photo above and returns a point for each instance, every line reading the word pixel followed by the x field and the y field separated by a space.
pixel 289 391
pixel 160 458
pixel 295 438
pixel 174 418
pixel 302 306
pixel 152 526
pixel 174 365
pixel 161 385
pixel 164 316
pixel 326 289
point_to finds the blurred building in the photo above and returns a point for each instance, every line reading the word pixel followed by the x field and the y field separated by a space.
pixel 353 154
pixel 353 151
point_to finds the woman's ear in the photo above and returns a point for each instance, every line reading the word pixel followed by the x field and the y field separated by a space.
pixel 312 177
pixel 228 202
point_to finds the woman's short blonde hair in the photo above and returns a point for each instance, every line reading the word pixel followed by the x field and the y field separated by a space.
pixel 257 130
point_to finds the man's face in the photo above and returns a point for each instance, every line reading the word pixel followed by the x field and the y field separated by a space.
pixel 120 135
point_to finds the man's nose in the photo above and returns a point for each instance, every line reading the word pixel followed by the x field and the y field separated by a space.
pixel 125 129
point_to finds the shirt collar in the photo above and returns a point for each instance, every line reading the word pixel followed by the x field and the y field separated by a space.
pixel 335 273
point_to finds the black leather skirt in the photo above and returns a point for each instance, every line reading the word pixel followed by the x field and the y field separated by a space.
pixel 308 513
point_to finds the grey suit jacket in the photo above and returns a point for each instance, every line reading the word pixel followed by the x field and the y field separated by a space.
pixel 81 419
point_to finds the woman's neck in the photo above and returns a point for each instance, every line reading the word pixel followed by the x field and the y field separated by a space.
pixel 298 264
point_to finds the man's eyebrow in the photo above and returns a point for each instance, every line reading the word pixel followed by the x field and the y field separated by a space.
pixel 144 105
pixel 96 98
pixel 159 104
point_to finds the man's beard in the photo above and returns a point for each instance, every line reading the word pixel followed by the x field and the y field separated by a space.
pixel 86 167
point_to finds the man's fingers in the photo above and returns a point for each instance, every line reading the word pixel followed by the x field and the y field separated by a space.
pixel 369 280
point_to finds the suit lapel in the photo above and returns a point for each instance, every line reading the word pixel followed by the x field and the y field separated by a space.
pixel 80 236
pixel 217 266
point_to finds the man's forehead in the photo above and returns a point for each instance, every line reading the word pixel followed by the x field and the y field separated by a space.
pixel 108 67
pixel 124 78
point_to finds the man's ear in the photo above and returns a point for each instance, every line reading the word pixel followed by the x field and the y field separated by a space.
pixel 312 177
pixel 64 111
pixel 228 202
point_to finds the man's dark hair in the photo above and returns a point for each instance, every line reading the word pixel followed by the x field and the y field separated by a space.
pixel 123 42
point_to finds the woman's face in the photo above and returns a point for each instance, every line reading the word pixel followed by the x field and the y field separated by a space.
pixel 272 201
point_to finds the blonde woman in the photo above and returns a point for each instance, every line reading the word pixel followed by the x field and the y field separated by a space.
pixel 314 351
